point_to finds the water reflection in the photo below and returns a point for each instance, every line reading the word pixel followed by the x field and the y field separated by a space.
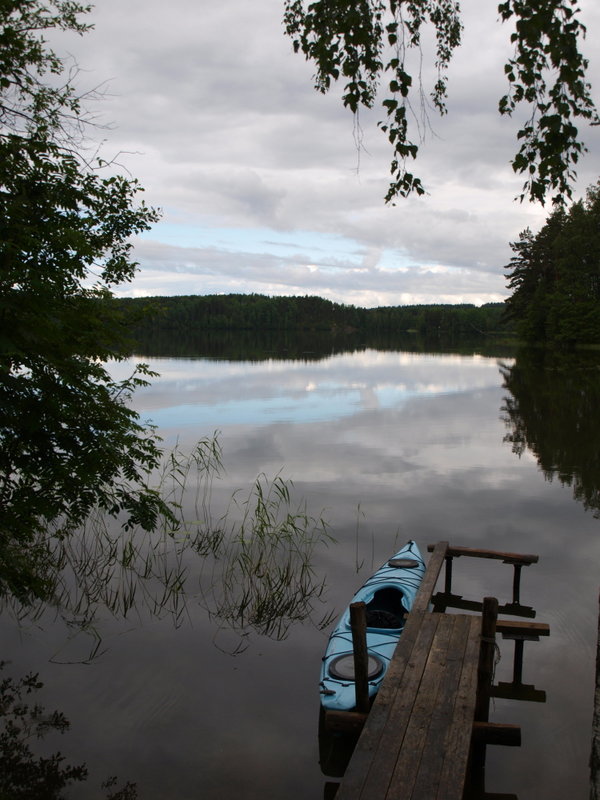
pixel 335 751
pixel 302 345
pixel 254 560
pixel 207 394
pixel 167 708
pixel 262 574
pixel 552 410
pixel 24 772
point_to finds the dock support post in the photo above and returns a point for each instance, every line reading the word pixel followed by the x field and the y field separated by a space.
pixel 485 669
pixel 358 625
pixel 517 583
pixel 448 583
pixel 485 675
pixel 518 662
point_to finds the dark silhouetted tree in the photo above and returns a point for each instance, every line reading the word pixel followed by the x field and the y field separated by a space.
pixel 68 439
pixel 555 276
pixel 366 44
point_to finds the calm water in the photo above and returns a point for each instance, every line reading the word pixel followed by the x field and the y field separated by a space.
pixel 480 451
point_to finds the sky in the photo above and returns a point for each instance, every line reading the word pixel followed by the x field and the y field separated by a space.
pixel 260 182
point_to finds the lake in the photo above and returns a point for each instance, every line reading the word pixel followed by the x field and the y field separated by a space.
pixel 203 697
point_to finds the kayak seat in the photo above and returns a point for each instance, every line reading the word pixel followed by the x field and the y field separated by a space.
pixel 383 619
pixel 386 609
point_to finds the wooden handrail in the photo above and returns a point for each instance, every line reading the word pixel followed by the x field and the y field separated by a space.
pixel 508 558
pixel 432 573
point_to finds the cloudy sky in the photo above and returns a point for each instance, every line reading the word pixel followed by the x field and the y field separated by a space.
pixel 259 178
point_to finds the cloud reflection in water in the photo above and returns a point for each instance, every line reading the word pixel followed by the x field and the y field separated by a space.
pixel 208 393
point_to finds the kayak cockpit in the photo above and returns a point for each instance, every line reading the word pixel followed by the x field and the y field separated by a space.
pixel 385 610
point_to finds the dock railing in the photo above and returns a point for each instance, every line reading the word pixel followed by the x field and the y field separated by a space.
pixel 429 725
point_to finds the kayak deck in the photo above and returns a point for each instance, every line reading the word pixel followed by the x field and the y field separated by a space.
pixel 388 596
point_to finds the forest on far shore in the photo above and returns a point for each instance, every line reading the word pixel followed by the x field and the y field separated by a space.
pixel 191 313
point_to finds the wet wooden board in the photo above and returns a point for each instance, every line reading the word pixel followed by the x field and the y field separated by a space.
pixel 427 587
pixel 415 743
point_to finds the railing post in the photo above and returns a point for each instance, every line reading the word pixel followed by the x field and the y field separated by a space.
pixel 448 585
pixel 517 583
pixel 358 625
pixel 518 662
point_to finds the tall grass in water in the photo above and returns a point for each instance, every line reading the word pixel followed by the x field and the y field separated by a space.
pixel 250 566
pixel 262 574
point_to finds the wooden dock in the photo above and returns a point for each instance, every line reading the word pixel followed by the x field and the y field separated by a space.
pixel 431 714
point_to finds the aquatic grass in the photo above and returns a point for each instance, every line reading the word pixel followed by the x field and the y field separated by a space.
pixel 255 559
pixel 263 576
pixel 358 564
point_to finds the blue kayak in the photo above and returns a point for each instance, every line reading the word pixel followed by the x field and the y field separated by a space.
pixel 389 595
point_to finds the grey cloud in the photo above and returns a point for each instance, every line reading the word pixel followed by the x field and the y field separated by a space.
pixel 207 268
pixel 219 120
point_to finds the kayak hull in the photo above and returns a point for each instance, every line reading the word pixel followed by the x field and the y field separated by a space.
pixel 388 595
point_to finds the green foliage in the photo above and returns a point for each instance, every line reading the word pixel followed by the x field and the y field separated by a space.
pixel 68 440
pixel 555 277
pixel 367 44
pixel 548 73
pixel 28 104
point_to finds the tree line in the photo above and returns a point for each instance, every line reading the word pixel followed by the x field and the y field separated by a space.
pixel 555 277
pixel 189 313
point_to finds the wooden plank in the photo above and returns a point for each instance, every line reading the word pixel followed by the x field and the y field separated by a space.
pixel 443 600
pixel 430 578
pixel 515 627
pixel 358 626
pixel 458 739
pixel 442 718
pixel 420 730
pixel 416 741
pixel 395 735
pixel 487 652
pixel 418 751
pixel 418 631
pixel 507 558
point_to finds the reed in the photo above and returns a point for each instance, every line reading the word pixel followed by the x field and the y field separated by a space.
pixel 262 577
pixel 251 566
